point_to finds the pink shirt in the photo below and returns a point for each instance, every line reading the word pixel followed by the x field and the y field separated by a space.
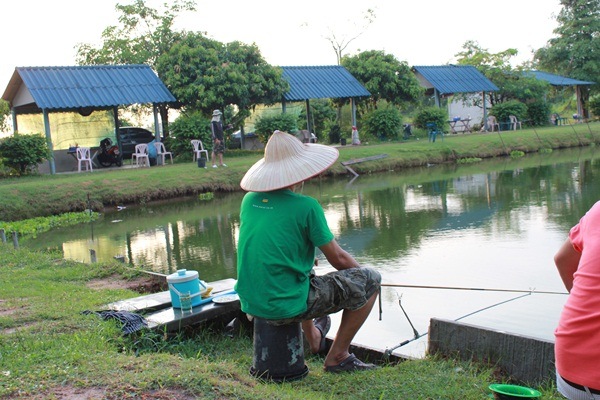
pixel 577 345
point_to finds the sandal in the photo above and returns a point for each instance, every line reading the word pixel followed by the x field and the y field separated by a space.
pixel 323 324
pixel 350 364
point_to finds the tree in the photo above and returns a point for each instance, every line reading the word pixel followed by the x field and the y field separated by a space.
pixel 575 51
pixel 204 74
pixel 4 115
pixel 384 77
pixel 340 41
pixel 512 82
pixel 145 33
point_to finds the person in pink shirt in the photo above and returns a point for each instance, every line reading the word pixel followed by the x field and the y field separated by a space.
pixel 577 344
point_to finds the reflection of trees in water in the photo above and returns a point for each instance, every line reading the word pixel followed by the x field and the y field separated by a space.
pixel 383 226
pixel 210 243
pixel 388 222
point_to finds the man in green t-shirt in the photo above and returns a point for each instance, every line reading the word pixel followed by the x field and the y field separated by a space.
pixel 279 233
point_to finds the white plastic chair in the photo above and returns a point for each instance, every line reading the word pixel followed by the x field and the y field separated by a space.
pixel 141 155
pixel 161 151
pixel 84 157
pixel 491 122
pixel 199 149
pixel 514 122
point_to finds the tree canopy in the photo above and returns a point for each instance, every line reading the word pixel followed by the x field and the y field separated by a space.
pixel 144 34
pixel 575 51
pixel 385 77
pixel 203 74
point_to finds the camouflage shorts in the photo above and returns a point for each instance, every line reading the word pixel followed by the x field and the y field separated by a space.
pixel 219 148
pixel 348 289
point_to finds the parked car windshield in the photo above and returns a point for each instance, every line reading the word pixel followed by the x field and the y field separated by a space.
pixel 132 136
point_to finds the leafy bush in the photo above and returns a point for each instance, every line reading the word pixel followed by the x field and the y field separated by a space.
pixel 33 226
pixel 335 134
pixel 184 129
pixel 595 106
pixel 383 123
pixel 538 113
pixel 512 107
pixel 431 114
pixel 267 124
pixel 24 152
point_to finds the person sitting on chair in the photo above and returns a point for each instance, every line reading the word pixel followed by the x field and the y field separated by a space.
pixel 279 233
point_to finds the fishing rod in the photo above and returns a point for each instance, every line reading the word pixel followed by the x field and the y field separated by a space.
pixel 91 216
pixel 388 352
pixel 471 288
pixel 493 305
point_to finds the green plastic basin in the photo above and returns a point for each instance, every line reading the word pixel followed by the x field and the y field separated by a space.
pixel 506 392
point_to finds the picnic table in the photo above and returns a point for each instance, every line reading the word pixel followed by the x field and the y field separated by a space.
pixel 460 125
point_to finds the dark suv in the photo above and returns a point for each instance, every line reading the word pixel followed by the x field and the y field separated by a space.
pixel 130 136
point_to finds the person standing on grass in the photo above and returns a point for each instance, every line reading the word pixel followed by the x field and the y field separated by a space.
pixel 279 232
pixel 218 149
pixel 577 337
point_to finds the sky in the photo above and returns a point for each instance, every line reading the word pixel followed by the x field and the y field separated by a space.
pixel 422 32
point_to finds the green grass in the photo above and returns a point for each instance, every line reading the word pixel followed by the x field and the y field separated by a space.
pixel 49 348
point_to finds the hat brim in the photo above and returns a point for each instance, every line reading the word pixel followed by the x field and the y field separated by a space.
pixel 300 162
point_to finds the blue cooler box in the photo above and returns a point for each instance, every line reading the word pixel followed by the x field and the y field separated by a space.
pixel 184 281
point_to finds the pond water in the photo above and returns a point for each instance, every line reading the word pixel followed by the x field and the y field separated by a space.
pixel 491 225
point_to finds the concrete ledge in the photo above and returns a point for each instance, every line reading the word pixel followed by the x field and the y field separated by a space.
pixel 528 360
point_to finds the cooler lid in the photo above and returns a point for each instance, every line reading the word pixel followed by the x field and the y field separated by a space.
pixel 182 275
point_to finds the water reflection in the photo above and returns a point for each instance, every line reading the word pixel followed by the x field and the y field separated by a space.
pixel 494 224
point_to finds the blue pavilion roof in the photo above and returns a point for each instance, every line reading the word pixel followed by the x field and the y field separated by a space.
pixel 321 82
pixel 74 87
pixel 557 80
pixel 449 79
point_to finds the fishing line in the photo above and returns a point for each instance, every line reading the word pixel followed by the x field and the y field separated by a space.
pixel 91 217
pixel 471 288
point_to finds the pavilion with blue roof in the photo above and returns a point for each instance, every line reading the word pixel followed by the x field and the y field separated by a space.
pixel 581 88
pixel 322 82
pixel 80 91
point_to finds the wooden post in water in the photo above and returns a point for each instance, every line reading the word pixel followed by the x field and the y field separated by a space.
pixel 93 255
pixel 15 240
pixel 3 235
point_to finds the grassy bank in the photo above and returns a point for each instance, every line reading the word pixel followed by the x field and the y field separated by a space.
pixel 54 194
pixel 50 350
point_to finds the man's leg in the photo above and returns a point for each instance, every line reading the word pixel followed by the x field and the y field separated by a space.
pixel 351 323
pixel 312 335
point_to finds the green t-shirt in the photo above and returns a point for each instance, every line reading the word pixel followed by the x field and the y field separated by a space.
pixel 279 232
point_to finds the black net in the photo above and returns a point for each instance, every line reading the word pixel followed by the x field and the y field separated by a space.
pixel 70 129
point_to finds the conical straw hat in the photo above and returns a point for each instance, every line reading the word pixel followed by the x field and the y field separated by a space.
pixel 287 161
